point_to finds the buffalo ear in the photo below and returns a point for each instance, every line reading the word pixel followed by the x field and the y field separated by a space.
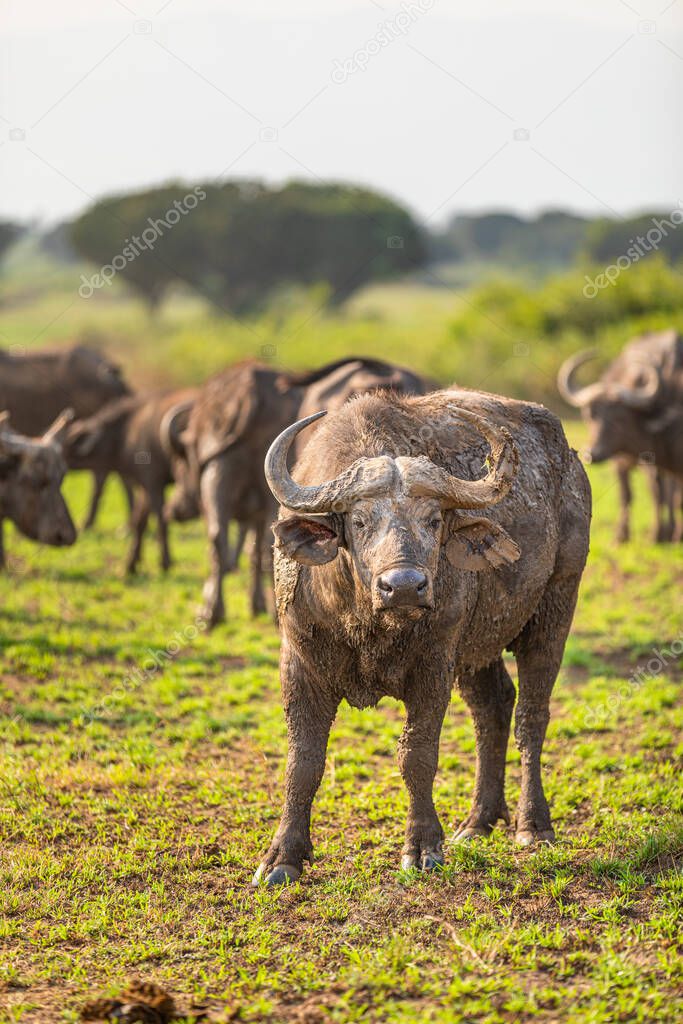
pixel 477 543
pixel 311 540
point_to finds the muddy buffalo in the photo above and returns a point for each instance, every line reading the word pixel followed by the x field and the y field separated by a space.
pixel 400 569
pixel 132 437
pixel 31 473
pixel 36 386
pixel 635 415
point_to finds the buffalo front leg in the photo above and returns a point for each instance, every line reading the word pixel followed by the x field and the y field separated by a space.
pixel 140 518
pixel 213 487
pixel 129 494
pixel 418 758
pixel 538 651
pixel 309 714
pixel 257 593
pixel 157 505
pixel 235 552
pixel 490 696
pixel 99 479
pixel 623 467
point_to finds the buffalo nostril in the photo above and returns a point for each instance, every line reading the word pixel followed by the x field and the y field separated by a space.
pixel 403 586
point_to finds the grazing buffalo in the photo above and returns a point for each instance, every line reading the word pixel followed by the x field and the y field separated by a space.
pixel 31 473
pixel 131 436
pixel 36 386
pixel 635 414
pixel 235 418
pixel 399 570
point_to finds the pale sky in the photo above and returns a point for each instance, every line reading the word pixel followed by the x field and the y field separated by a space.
pixel 448 106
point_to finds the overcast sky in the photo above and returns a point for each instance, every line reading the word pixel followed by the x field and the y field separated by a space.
pixel 446 105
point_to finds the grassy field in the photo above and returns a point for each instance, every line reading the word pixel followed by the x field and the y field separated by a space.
pixel 428 321
pixel 142 759
pixel 141 772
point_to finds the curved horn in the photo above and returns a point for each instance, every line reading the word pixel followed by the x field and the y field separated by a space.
pixel 364 477
pixel 578 397
pixel 423 477
pixel 55 432
pixel 170 427
pixel 367 477
pixel 641 396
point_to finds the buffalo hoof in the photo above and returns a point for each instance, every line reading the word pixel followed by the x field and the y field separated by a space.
pixel 530 837
pixel 472 832
pixel 427 861
pixel 281 874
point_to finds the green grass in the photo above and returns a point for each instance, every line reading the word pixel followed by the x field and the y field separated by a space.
pixel 129 838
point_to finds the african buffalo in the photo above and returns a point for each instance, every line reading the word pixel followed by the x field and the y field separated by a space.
pixel 31 473
pixel 130 436
pixel 635 414
pixel 237 414
pixel 398 570
pixel 36 386
pixel 235 417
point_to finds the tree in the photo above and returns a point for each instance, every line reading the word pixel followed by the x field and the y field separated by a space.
pixel 9 232
pixel 241 240
pixel 139 238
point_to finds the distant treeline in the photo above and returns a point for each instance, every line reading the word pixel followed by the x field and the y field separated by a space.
pixel 557 239
pixel 240 242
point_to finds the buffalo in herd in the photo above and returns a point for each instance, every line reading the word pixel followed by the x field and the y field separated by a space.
pixel 635 415
pixel 418 534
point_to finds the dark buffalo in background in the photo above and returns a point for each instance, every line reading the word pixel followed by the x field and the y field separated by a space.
pixel 330 386
pixel 31 474
pixel 399 570
pixel 635 415
pixel 130 437
pixel 235 418
pixel 36 386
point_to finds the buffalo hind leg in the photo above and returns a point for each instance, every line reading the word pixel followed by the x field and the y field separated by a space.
pixel 216 514
pixel 418 757
pixel 538 650
pixel 490 696
pixel 309 713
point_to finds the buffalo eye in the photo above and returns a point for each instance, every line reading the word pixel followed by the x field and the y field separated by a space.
pixel 358 522
pixel 434 523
